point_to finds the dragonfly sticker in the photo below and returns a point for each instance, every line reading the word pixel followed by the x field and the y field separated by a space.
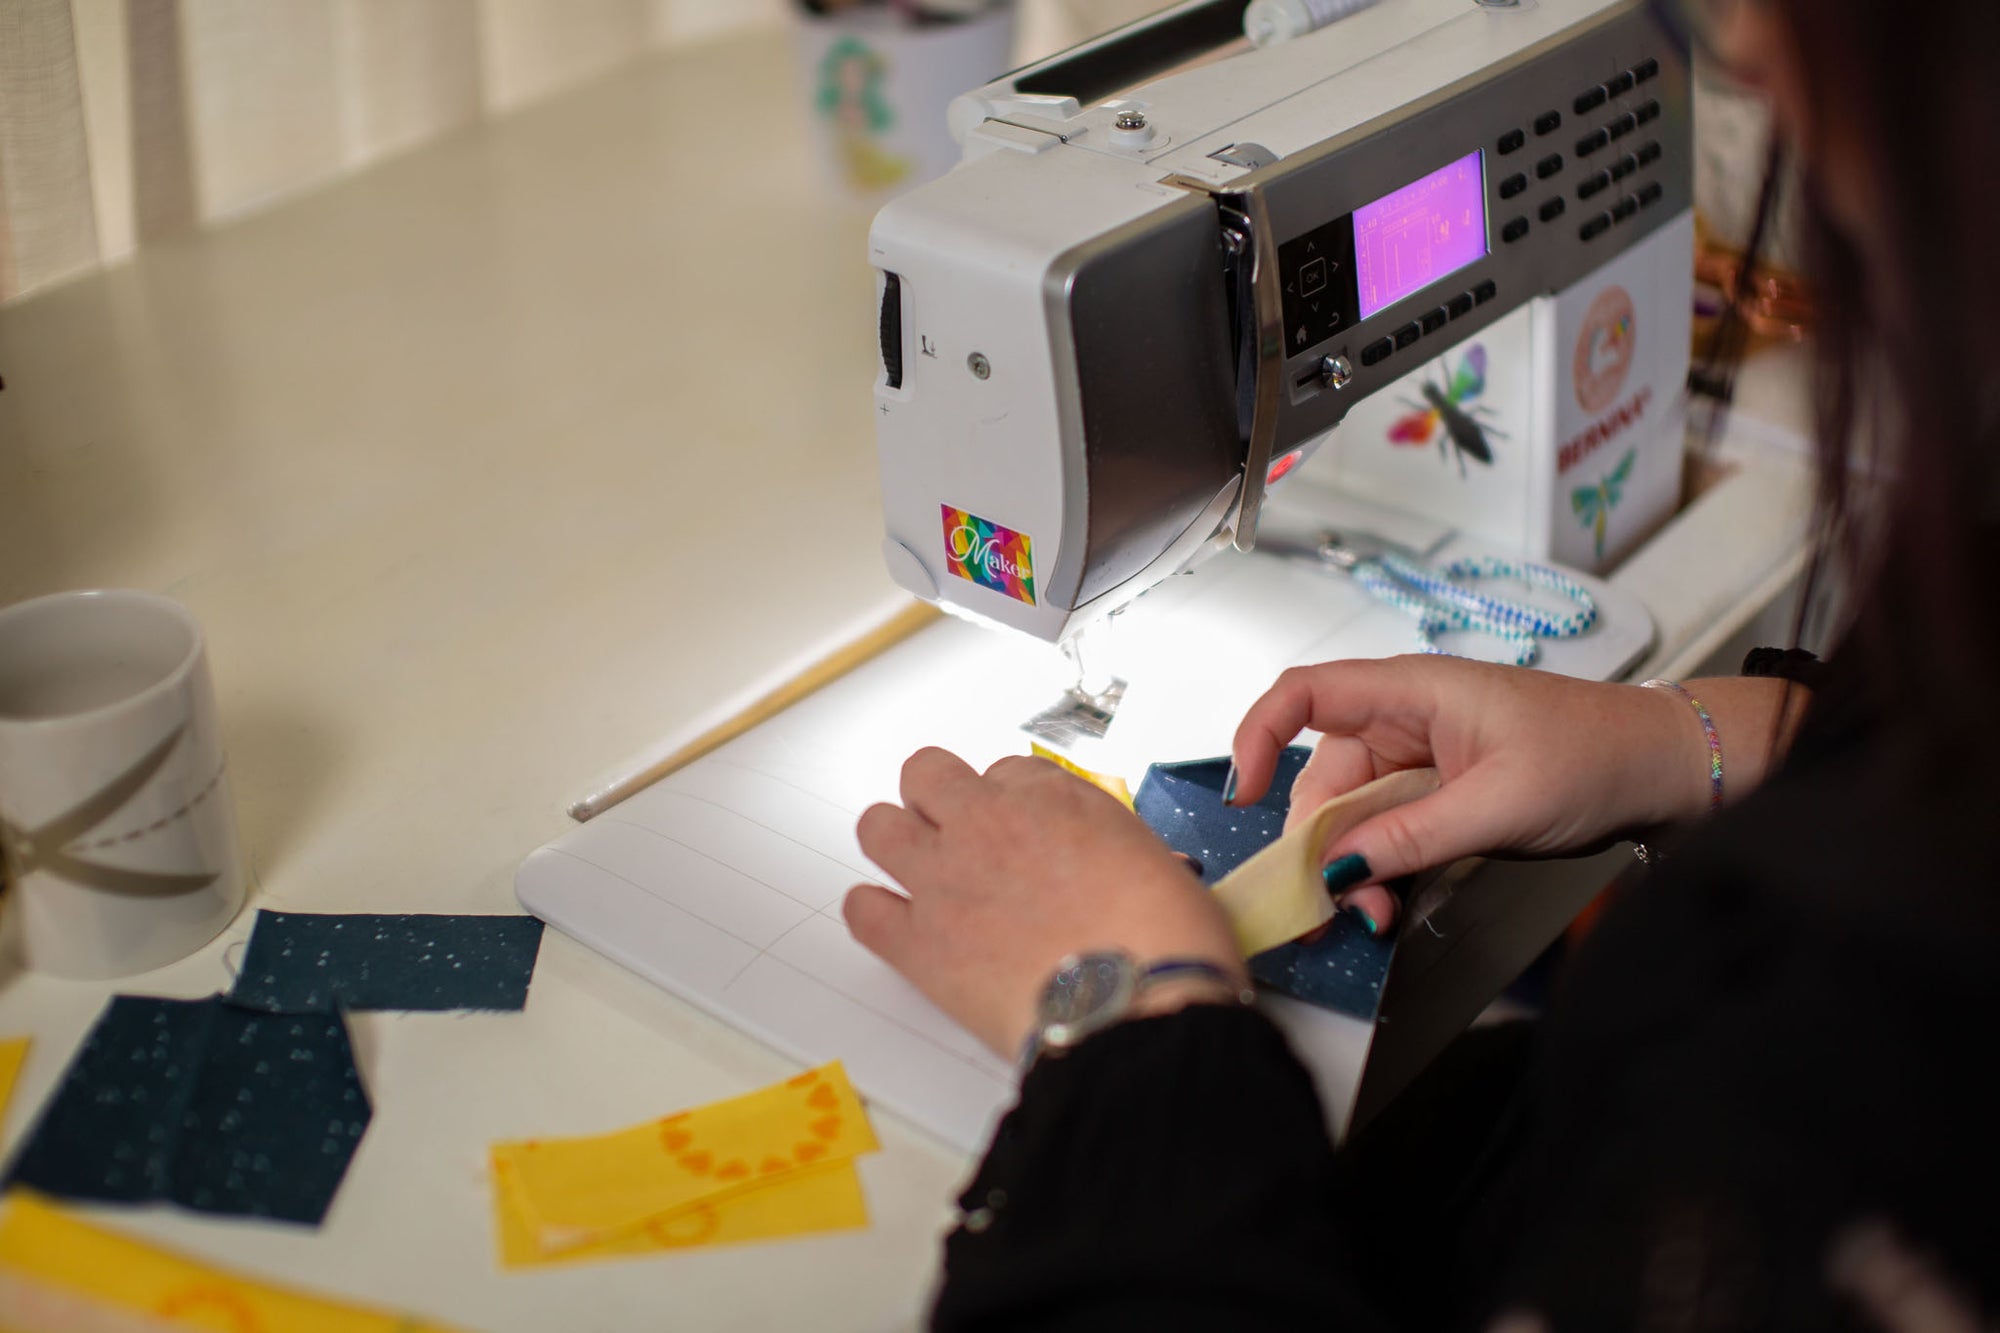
pixel 51 846
pixel 1466 428
pixel 1593 504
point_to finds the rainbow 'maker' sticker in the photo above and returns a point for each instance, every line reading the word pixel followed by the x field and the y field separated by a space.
pixel 989 555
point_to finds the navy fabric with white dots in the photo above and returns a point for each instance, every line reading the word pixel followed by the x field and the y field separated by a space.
pixel 300 962
pixel 204 1104
pixel 1344 969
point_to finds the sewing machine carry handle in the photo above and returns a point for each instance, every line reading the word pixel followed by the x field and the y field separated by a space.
pixel 1128 55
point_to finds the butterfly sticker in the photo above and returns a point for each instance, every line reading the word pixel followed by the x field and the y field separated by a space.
pixel 1448 404
pixel 1593 504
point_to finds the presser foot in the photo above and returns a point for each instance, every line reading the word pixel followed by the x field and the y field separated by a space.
pixel 1077 716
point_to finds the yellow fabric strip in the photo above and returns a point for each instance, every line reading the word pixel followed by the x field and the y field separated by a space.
pixel 568 1194
pixel 52 1266
pixel 13 1054
pixel 813 1200
pixel 1102 781
pixel 1278 895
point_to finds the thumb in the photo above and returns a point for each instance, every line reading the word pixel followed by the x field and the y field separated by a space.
pixel 1450 822
pixel 880 920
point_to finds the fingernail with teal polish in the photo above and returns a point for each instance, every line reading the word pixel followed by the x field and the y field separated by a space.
pixel 1344 874
pixel 1229 785
pixel 1366 920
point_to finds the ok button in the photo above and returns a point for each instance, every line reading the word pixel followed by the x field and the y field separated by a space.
pixel 1312 278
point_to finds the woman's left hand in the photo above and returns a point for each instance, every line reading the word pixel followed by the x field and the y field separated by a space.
pixel 1009 871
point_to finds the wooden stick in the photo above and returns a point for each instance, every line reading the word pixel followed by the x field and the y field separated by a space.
pixel 824 672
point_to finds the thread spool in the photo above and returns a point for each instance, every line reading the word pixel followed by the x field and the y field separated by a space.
pixel 1267 22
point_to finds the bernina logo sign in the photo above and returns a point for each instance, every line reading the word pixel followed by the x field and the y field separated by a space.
pixel 989 554
pixel 1604 430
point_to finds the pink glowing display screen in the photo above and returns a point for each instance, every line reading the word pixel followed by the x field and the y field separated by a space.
pixel 1427 230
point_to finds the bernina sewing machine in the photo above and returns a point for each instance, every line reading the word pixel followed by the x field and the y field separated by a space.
pixel 1171 264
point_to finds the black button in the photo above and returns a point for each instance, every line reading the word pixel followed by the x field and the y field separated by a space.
pixel 1647 112
pixel 1620 84
pixel 1596 227
pixel 1548 122
pixel 1408 334
pixel 1589 100
pixel 1513 185
pixel 1512 140
pixel 1376 350
pixel 1591 142
pixel 1515 229
pixel 1459 305
pixel 1433 320
pixel 1485 292
pixel 1549 166
pixel 1594 185
pixel 1646 69
pixel 1623 126
pixel 1553 209
pixel 1624 208
pixel 1649 153
pixel 1624 167
pixel 1650 194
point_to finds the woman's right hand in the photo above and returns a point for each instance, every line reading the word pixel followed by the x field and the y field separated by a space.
pixel 1531 763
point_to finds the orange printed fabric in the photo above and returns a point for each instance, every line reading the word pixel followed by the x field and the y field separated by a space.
pixel 59 1272
pixel 779 1162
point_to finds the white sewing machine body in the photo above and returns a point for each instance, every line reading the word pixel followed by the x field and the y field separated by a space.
pixel 1462 228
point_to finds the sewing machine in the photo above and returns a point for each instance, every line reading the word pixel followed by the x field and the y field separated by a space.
pixel 1459 230
pixel 1130 311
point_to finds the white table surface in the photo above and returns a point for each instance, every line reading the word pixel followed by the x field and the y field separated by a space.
pixel 484 470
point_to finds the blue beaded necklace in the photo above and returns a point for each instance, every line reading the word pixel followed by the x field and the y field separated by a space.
pixel 1440 600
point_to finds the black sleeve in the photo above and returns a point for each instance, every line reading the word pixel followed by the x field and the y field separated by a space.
pixel 1171 1172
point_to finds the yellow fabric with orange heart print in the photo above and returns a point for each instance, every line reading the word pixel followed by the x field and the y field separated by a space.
pixel 60 1272
pixel 779 1162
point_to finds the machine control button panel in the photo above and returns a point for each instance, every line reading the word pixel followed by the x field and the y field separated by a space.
pixel 1374 352
pixel 1316 271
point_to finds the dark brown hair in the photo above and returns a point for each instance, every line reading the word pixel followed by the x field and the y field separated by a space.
pixel 1908 350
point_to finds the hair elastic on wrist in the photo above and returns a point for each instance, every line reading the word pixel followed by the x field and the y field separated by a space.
pixel 1708 730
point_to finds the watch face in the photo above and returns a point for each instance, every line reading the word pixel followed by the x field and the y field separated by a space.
pixel 1086 993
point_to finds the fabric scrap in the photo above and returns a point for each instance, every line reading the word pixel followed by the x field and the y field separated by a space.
pixel 1108 782
pixel 57 1271
pixel 302 962
pixel 1284 897
pixel 204 1104
pixel 13 1054
pixel 817 1199
pixel 775 1162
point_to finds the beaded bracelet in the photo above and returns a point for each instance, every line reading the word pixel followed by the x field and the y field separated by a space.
pixel 1714 739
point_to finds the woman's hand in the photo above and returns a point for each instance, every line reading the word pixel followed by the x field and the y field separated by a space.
pixel 1532 763
pixel 1009 871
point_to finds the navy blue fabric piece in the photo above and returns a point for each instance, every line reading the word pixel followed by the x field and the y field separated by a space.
pixel 1344 969
pixel 203 1104
pixel 304 963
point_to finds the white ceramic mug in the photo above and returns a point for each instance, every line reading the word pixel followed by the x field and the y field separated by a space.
pixel 115 818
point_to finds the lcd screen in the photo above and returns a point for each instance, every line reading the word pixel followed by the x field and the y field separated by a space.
pixel 1428 230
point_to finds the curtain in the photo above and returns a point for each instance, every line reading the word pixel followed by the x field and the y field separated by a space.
pixel 124 121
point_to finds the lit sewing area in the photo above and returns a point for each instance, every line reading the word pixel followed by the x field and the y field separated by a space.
pixel 518 485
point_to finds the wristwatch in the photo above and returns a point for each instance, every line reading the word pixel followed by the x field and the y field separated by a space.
pixel 1091 991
